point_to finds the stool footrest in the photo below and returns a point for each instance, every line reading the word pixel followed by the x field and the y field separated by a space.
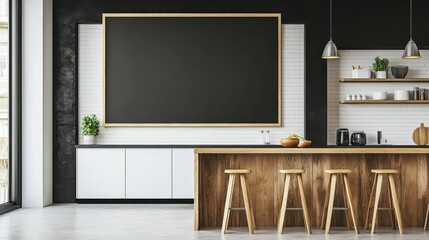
pixel 340 208
pixel 293 208
pixel 385 209
pixel 237 209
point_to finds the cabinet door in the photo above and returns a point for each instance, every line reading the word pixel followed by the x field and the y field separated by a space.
pixel 183 173
pixel 148 173
pixel 100 173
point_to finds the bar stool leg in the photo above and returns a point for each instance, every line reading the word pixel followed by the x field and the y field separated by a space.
pixel 304 204
pixel 396 204
pixel 350 204
pixel 392 217
pixel 251 206
pixel 325 204
pixel 227 209
pixel 346 212
pixel 331 202
pixel 377 199
pixel 246 203
pixel 426 218
pixel 284 203
pixel 368 212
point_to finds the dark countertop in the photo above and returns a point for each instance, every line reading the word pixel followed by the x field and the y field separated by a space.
pixel 230 146
pixel 174 146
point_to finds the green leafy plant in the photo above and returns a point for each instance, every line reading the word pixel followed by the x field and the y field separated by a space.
pixel 90 125
pixel 380 64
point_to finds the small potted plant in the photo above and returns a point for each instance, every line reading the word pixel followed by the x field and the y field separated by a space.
pixel 380 66
pixel 90 128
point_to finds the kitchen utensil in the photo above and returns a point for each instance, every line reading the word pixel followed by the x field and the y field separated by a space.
pixel 380 95
pixel 422 94
pixel 420 135
pixel 379 136
pixel 342 137
pixel 416 93
pixel 401 95
pixel 361 73
pixel 358 139
pixel 304 143
pixel 399 71
pixel 289 143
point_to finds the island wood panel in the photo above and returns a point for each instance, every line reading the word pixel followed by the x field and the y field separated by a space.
pixel 409 189
pixel 422 188
pixel 266 186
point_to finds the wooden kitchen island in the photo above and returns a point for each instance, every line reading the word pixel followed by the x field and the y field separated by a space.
pixel 266 183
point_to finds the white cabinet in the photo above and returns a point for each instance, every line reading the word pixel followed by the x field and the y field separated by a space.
pixel 183 173
pixel 148 173
pixel 100 173
pixel 135 173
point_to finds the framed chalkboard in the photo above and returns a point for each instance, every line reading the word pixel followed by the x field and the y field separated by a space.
pixel 191 69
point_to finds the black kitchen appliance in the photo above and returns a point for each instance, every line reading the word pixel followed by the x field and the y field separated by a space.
pixel 342 137
pixel 358 139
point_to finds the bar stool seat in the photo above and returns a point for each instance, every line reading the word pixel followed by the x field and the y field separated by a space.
pixel 237 171
pixel 338 171
pixel 329 199
pixel 304 208
pixel 393 199
pixel 292 171
pixel 385 171
pixel 247 202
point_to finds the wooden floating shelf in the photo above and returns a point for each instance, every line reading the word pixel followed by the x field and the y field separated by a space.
pixel 387 80
pixel 384 102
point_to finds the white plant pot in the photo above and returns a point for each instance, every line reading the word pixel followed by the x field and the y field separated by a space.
pixel 88 139
pixel 381 74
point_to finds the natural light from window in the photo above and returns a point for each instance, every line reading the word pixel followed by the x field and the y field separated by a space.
pixel 4 101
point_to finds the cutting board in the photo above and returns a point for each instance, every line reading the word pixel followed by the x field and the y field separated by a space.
pixel 421 135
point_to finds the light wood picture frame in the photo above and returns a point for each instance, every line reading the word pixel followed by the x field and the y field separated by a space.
pixel 197 15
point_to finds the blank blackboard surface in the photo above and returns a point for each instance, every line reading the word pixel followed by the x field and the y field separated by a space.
pixel 192 70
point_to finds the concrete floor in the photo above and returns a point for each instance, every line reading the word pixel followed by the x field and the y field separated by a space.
pixel 143 221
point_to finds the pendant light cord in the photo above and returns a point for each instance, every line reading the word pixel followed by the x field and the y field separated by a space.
pixel 411 19
pixel 330 21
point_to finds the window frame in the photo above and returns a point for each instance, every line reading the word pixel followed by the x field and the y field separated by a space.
pixel 15 107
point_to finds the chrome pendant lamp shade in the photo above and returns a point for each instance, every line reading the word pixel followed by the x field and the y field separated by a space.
pixel 411 51
pixel 330 51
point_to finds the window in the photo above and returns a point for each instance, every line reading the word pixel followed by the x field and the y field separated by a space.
pixel 10 187
pixel 4 101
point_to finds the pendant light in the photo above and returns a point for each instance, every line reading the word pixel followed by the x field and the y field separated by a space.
pixel 411 51
pixel 330 51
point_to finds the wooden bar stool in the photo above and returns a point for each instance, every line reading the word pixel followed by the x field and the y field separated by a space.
pixel 247 203
pixel 329 199
pixel 282 214
pixel 426 218
pixel 376 186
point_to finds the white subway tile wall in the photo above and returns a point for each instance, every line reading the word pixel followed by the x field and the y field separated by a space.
pixel 397 122
pixel 90 98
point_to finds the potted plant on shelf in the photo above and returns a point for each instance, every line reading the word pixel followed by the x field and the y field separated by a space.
pixel 90 128
pixel 380 66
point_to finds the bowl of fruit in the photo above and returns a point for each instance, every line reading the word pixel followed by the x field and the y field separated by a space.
pixel 295 140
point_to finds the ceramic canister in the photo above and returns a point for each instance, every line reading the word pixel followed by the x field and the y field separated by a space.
pixel 401 95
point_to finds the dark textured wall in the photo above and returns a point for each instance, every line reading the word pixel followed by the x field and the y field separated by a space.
pixel 358 24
